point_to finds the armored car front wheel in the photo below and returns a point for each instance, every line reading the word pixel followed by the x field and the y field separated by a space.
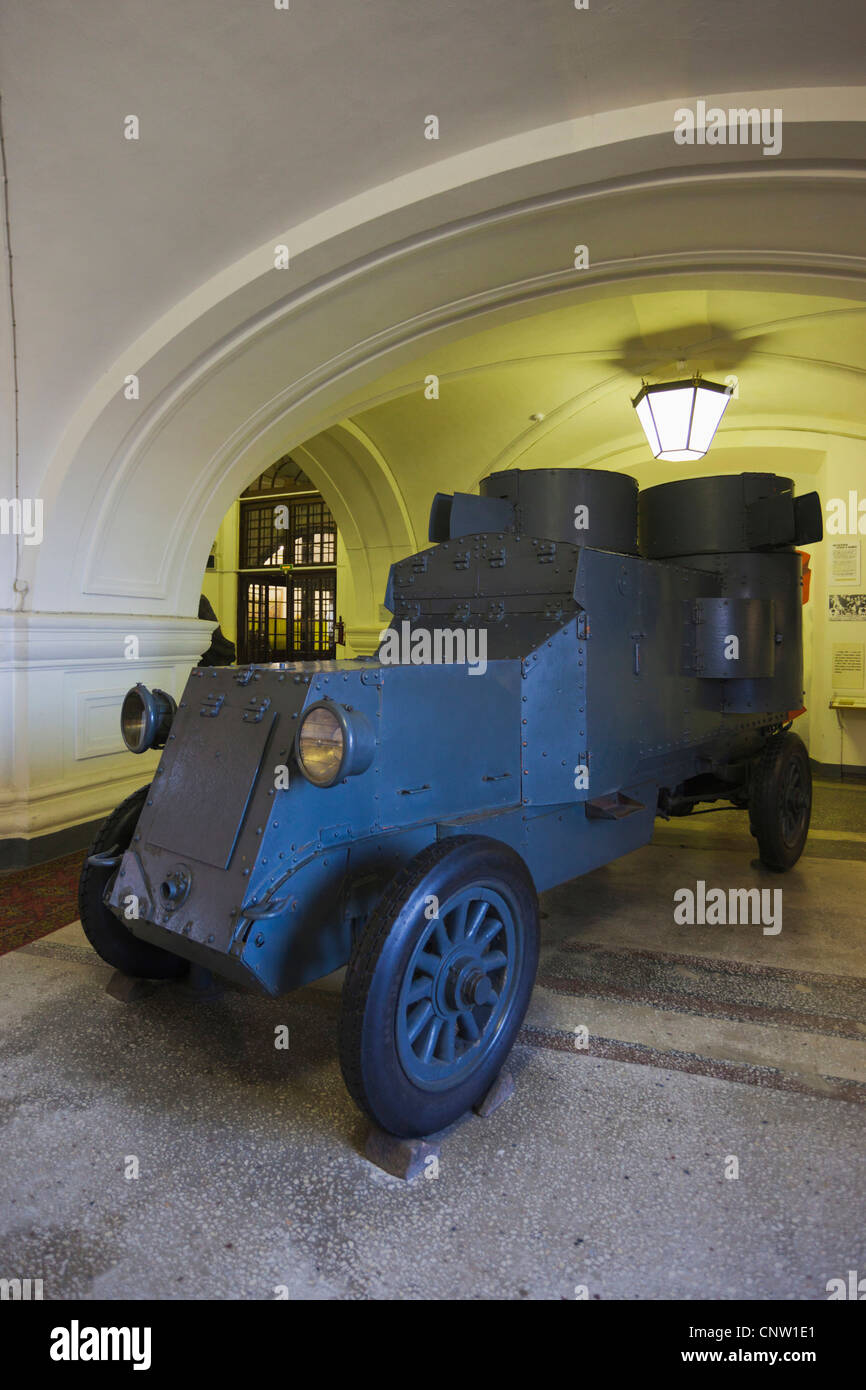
pixel 107 935
pixel 438 984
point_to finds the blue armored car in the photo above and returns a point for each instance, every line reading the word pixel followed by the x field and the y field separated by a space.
pixel 566 661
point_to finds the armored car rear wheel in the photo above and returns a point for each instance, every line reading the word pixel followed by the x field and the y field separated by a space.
pixel 780 801
pixel 107 935
pixel 438 985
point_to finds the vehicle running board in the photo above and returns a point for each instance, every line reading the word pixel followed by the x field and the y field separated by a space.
pixel 614 806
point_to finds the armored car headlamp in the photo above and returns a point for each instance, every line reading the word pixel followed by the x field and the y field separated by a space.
pixel 333 742
pixel 145 718
pixel 679 418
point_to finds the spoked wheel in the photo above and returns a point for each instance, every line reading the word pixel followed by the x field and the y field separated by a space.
pixel 438 985
pixel 107 935
pixel 780 804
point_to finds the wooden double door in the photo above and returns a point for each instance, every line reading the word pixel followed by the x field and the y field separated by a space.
pixel 287 617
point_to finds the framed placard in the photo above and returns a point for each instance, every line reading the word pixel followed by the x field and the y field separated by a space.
pixel 848 666
pixel 844 562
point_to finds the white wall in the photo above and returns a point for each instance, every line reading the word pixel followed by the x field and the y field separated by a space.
pixel 62 681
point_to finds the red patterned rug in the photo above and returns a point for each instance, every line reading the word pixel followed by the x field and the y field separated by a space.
pixel 38 900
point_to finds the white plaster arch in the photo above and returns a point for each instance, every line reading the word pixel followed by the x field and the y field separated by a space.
pixel 241 371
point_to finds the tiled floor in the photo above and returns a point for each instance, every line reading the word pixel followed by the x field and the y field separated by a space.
pixel 609 1168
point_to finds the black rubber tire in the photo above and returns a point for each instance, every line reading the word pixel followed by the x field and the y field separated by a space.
pixel 107 935
pixel 781 772
pixel 368 1047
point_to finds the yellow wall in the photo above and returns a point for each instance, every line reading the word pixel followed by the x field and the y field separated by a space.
pixel 220 585
pixel 836 739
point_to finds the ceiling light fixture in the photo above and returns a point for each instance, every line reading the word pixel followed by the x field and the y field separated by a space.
pixel 680 418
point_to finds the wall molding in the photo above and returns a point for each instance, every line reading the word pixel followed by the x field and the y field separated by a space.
pixel 54 640
pixel 839 772
pixel 20 853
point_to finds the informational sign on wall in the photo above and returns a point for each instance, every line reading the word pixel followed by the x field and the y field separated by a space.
pixel 848 666
pixel 844 562
pixel 847 608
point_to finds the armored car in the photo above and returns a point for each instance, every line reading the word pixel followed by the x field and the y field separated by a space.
pixel 567 660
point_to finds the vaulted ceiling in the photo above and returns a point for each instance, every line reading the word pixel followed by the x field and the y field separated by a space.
pixel 253 119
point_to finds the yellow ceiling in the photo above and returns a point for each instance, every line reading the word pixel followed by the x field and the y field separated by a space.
pixel 796 357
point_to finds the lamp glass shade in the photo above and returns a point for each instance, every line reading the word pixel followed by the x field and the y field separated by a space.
pixel 680 418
